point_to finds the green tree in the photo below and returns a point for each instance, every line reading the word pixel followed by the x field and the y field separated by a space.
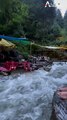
pixel 40 20
pixel 56 30
pixel 59 18
pixel 12 17
pixel 65 21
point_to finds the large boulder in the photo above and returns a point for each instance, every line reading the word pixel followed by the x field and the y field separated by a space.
pixel 59 104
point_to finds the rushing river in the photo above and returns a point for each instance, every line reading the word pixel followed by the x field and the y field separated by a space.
pixel 28 96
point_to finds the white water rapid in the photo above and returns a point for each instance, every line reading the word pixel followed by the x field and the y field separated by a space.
pixel 28 96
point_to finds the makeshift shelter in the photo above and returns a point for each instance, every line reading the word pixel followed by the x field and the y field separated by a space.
pixel 8 44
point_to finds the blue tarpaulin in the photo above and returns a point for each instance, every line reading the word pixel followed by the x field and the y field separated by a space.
pixel 11 38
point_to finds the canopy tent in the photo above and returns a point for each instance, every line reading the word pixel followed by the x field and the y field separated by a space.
pixel 7 44
pixel 23 41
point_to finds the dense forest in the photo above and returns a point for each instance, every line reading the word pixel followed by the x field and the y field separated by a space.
pixel 31 19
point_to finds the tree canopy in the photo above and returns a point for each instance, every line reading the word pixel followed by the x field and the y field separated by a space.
pixel 12 15
pixel 30 18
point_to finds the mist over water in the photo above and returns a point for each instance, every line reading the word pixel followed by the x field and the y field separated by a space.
pixel 28 96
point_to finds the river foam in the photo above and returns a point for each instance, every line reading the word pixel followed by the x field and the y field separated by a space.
pixel 28 96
